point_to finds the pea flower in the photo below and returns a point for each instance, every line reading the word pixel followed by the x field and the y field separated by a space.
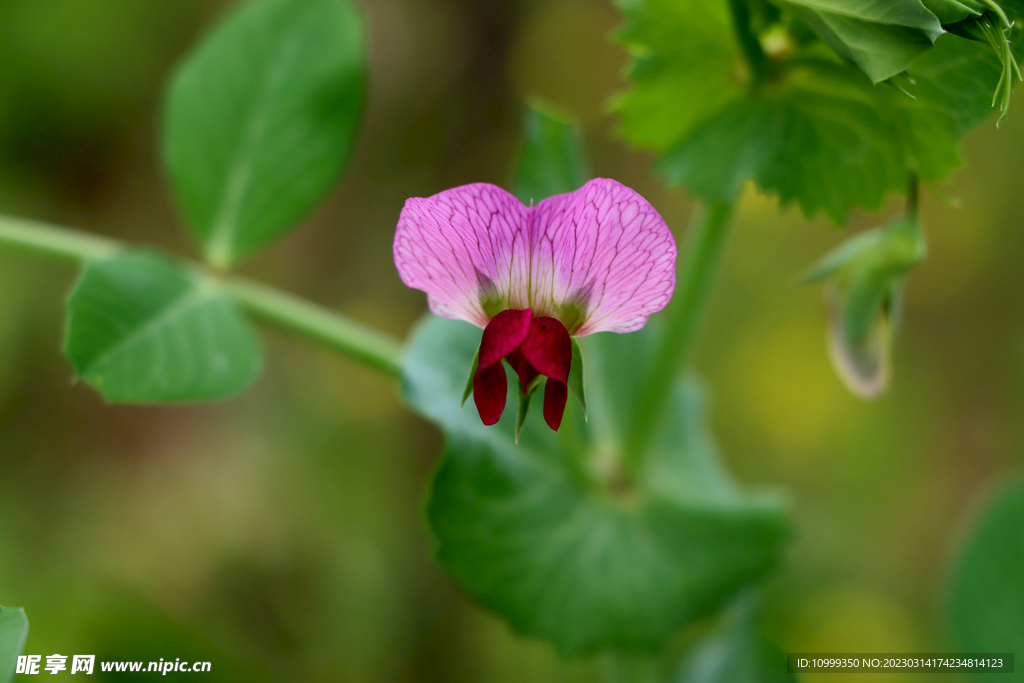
pixel 594 260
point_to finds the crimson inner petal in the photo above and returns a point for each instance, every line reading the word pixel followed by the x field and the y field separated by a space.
pixel 489 391
pixel 503 334
pixel 555 394
pixel 548 348
pixel 527 373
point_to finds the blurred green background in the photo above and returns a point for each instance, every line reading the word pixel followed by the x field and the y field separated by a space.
pixel 280 535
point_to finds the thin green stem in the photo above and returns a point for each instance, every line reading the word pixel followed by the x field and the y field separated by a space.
pixel 375 349
pixel 54 242
pixel 378 350
pixel 706 239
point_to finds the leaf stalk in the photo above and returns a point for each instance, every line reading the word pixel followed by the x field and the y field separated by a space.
pixel 370 347
pixel 707 238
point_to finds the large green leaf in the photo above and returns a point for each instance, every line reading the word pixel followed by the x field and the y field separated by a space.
pixel 261 119
pixel 551 161
pixel 549 534
pixel 13 631
pixel 736 652
pixel 687 68
pixel 882 37
pixel 953 11
pixel 816 132
pixel 986 605
pixel 142 329
pixel 823 137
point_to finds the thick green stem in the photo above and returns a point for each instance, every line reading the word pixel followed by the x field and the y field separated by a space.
pixel 749 43
pixel 375 349
pixel 912 193
pixel 706 240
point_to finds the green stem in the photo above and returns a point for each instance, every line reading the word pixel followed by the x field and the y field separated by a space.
pixel 913 189
pixel 51 241
pixel 749 43
pixel 375 349
pixel 704 251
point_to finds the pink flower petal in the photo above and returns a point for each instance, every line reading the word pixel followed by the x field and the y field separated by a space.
pixel 465 246
pixel 598 259
pixel 605 250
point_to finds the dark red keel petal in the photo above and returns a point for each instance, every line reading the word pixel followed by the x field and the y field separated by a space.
pixel 522 367
pixel 548 348
pixel 489 390
pixel 503 334
pixel 555 394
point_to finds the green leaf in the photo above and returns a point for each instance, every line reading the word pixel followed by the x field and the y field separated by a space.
pixel 986 603
pixel 824 137
pixel 815 132
pixel 13 631
pixel 576 379
pixel 261 120
pixel 142 329
pixel 687 68
pixel 550 535
pixel 736 652
pixel 957 77
pixel 953 11
pixel 882 37
pixel 551 161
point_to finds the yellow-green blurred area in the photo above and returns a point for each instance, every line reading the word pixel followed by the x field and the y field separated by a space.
pixel 280 535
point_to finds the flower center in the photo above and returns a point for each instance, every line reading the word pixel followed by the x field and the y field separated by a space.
pixel 534 347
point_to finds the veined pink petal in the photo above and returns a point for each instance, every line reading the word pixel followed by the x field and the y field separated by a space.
pixel 605 251
pixel 464 247
pixel 597 259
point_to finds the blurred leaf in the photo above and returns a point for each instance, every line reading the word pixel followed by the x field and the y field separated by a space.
pixel 142 329
pixel 882 37
pixel 736 652
pixel 986 605
pixel 817 132
pixel 551 161
pixel 957 77
pixel 825 138
pixel 261 120
pixel 13 631
pixel 550 535
pixel 686 67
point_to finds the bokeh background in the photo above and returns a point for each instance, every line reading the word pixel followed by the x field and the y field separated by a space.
pixel 280 535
